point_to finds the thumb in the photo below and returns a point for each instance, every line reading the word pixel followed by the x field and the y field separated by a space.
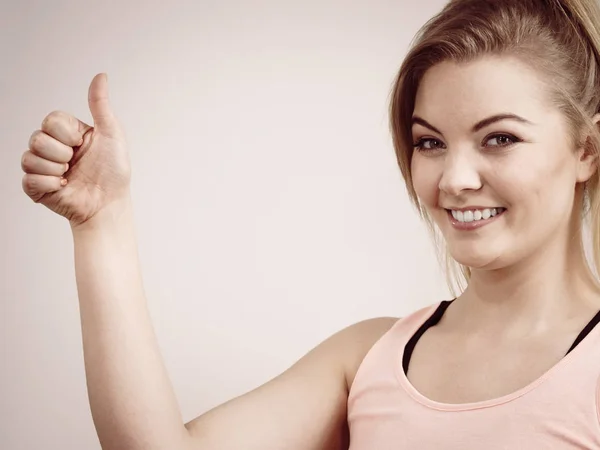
pixel 102 114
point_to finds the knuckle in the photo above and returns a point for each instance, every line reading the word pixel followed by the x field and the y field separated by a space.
pixel 26 160
pixel 30 185
pixel 35 140
pixel 52 119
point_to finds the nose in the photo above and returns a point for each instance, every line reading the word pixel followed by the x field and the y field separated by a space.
pixel 460 173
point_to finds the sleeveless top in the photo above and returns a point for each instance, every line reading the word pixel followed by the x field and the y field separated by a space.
pixel 558 411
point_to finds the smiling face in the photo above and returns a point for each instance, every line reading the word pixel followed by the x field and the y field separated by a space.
pixel 490 145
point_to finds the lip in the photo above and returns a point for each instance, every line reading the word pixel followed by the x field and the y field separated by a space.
pixel 472 208
pixel 474 225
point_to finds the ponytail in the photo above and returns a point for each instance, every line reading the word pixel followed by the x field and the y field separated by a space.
pixel 585 15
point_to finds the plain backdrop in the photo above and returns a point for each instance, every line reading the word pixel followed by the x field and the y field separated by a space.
pixel 269 206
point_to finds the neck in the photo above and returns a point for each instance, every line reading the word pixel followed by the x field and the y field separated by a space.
pixel 539 293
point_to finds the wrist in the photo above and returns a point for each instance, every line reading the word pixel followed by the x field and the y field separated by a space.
pixel 117 213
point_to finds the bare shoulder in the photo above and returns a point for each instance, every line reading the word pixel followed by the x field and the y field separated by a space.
pixel 357 339
pixel 304 408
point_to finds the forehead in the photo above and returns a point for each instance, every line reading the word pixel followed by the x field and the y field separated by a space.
pixel 469 92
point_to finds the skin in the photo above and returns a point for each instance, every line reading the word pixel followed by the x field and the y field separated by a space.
pixel 519 292
pixel 530 292
pixel 131 398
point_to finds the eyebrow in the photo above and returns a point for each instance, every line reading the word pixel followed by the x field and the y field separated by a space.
pixel 479 125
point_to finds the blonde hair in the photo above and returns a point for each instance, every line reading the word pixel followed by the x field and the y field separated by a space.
pixel 559 38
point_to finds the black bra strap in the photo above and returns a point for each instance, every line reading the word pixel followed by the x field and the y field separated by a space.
pixel 433 320
pixel 437 316
pixel 589 327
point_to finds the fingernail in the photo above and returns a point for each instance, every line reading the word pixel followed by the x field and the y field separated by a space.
pixel 63 181
pixel 66 167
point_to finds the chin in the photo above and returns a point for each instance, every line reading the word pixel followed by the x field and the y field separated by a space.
pixel 477 258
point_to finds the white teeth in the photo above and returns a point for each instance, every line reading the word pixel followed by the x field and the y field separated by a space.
pixel 471 216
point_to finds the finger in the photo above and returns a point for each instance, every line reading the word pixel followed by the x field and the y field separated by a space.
pixel 104 120
pixel 47 147
pixel 36 186
pixel 65 128
pixel 32 163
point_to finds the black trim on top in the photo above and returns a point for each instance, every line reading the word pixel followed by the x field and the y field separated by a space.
pixel 435 318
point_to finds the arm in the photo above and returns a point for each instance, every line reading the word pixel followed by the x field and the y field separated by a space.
pixel 132 400
pixel 82 173
pixel 302 409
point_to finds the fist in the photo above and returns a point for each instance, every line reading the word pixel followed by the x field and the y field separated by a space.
pixel 76 169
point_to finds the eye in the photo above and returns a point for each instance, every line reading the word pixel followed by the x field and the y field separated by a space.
pixel 428 144
pixel 501 140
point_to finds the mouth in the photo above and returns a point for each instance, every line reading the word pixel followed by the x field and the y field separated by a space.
pixel 474 218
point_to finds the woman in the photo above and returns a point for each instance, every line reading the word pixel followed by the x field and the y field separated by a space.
pixel 494 117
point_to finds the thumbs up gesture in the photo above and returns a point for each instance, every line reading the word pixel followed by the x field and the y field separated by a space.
pixel 75 169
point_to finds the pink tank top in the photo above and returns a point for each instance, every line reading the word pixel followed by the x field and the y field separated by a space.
pixel 558 411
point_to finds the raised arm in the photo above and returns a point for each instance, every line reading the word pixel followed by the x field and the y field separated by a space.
pixel 131 398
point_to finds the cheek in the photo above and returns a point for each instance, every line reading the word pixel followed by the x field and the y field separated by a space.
pixel 542 187
pixel 426 179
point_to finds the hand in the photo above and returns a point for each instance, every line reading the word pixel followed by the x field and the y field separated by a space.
pixel 74 169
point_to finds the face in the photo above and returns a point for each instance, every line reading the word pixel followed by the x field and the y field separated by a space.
pixel 493 162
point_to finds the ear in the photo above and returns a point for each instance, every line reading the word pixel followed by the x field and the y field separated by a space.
pixel 588 155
